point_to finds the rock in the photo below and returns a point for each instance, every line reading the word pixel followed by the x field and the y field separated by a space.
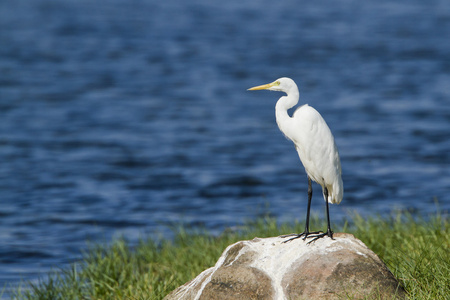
pixel 343 268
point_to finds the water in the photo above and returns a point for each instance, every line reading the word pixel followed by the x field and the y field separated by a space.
pixel 122 117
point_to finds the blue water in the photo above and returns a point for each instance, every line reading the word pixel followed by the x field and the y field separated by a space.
pixel 124 117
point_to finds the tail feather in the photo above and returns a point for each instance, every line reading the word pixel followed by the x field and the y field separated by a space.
pixel 335 192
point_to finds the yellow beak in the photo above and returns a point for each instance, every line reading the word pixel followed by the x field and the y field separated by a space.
pixel 262 87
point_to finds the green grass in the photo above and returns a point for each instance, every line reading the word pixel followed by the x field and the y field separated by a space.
pixel 415 250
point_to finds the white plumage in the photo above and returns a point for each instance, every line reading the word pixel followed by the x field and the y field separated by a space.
pixel 314 143
pixel 317 151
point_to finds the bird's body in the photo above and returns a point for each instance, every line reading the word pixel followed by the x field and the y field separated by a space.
pixel 316 148
pixel 313 141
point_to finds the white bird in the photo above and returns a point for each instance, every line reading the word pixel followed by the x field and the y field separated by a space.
pixel 315 145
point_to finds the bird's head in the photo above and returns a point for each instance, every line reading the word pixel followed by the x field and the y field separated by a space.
pixel 283 84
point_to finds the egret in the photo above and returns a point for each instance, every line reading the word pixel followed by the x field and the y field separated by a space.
pixel 315 146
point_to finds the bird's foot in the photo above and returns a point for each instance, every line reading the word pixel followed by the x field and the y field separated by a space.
pixel 304 234
pixel 329 233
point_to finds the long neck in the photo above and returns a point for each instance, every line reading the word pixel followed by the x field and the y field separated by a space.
pixel 281 110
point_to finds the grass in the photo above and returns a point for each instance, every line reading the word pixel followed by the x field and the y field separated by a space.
pixel 415 250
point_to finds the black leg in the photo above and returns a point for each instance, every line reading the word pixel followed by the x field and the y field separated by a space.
pixel 306 232
pixel 309 206
pixel 329 233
